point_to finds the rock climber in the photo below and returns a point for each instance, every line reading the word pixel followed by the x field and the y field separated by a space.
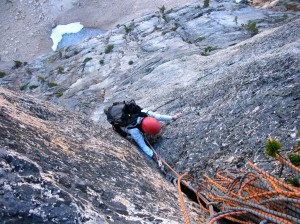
pixel 129 118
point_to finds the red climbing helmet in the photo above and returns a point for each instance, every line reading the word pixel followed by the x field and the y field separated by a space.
pixel 150 125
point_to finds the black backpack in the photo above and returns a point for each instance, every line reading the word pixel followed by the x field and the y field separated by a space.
pixel 122 114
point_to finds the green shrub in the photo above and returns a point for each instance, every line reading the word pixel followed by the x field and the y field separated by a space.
pixel 86 60
pixel 294 182
pixel 292 7
pixel 169 11
pixel 174 28
pixel 33 87
pixel 28 71
pixel 17 64
pixel 251 28
pixel 52 60
pixel 165 32
pixel 59 95
pixel 109 48
pixel 60 69
pixel 206 3
pixel 165 18
pixel 156 28
pixel 162 9
pixel 51 84
pixel 282 19
pixel 272 147
pixel 208 49
pixel 23 87
pixel 295 159
pixel 127 29
pixel 41 79
pixel 130 62
pixel 101 62
pixel 2 74
pixel 200 39
pixel 60 54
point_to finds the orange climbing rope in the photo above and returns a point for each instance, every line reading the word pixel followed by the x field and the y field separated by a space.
pixel 244 196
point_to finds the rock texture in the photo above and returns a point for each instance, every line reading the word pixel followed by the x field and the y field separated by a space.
pixel 59 167
pixel 236 85
pixel 27 25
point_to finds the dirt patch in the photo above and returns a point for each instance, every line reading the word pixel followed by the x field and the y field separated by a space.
pixel 27 25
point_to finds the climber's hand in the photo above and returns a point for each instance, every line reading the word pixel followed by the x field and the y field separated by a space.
pixel 176 116
pixel 159 162
pixel 156 158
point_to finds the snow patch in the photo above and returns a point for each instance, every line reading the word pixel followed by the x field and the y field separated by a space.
pixel 60 30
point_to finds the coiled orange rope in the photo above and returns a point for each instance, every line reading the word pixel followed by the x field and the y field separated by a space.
pixel 245 196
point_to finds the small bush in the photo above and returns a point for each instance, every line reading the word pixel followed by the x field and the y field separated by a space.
pixel 86 60
pixel 23 87
pixel 28 71
pixel 2 74
pixel 60 54
pixel 156 28
pixel 272 147
pixel 33 87
pixel 52 60
pixel 109 48
pixel 130 62
pixel 251 28
pixel 292 7
pixel 162 9
pixel 59 95
pixel 165 18
pixel 295 159
pixel 200 39
pixel 165 32
pixel 294 182
pixel 208 49
pixel 17 64
pixel 41 79
pixel 169 11
pixel 174 28
pixel 60 69
pixel 101 62
pixel 282 19
pixel 127 29
pixel 206 3
pixel 51 84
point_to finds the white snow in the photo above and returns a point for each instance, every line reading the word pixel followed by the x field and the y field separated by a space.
pixel 60 30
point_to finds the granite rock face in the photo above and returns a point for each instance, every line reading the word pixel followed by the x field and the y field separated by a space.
pixel 59 167
pixel 236 85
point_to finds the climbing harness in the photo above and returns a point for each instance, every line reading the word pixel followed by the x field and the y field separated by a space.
pixel 243 196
